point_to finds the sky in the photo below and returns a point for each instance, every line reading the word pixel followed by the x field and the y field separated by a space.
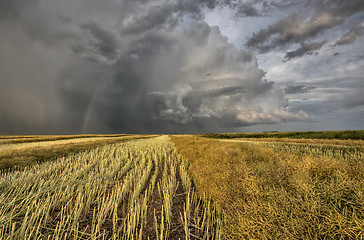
pixel 180 66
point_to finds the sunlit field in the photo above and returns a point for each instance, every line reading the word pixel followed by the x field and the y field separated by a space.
pixel 280 190
pixel 181 187
pixel 131 190
pixel 19 152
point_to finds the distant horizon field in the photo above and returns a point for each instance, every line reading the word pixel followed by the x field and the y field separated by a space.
pixel 24 150
pixel 341 135
pixel 330 134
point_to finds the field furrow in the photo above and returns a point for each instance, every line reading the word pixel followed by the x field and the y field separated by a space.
pixel 129 190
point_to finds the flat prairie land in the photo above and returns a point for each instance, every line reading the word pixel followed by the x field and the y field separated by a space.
pixel 329 142
pixel 5 139
pixel 137 188
pixel 280 189
pixel 29 150
pixel 181 187
pixel 342 135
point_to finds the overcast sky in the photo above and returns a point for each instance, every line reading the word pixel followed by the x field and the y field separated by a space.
pixel 180 66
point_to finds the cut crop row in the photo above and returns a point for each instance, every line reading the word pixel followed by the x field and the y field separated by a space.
pixel 105 193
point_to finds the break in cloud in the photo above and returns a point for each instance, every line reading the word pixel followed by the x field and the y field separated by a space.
pixel 148 66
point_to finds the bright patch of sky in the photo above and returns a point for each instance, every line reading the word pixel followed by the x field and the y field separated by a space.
pixel 236 29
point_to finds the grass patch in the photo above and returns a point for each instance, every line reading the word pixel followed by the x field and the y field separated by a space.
pixel 344 135
pixel 269 193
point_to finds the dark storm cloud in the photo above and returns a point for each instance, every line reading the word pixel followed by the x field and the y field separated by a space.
pixel 149 19
pixel 304 49
pixel 247 10
pixel 259 8
pixel 294 89
pixel 350 36
pixel 283 4
pixel 11 9
pixel 155 66
pixel 340 8
pixel 102 45
pixel 36 23
pixel 194 8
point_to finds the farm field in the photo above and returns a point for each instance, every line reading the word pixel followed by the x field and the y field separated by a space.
pixel 280 190
pixel 313 142
pixel 131 190
pixel 342 135
pixel 42 138
pixel 183 187
pixel 28 150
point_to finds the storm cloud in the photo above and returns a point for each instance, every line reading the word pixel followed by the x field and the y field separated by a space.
pixel 297 27
pixel 294 89
pixel 146 66
pixel 131 66
pixel 304 49
pixel 101 45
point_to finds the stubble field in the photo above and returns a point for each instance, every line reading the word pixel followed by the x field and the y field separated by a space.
pixel 187 187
